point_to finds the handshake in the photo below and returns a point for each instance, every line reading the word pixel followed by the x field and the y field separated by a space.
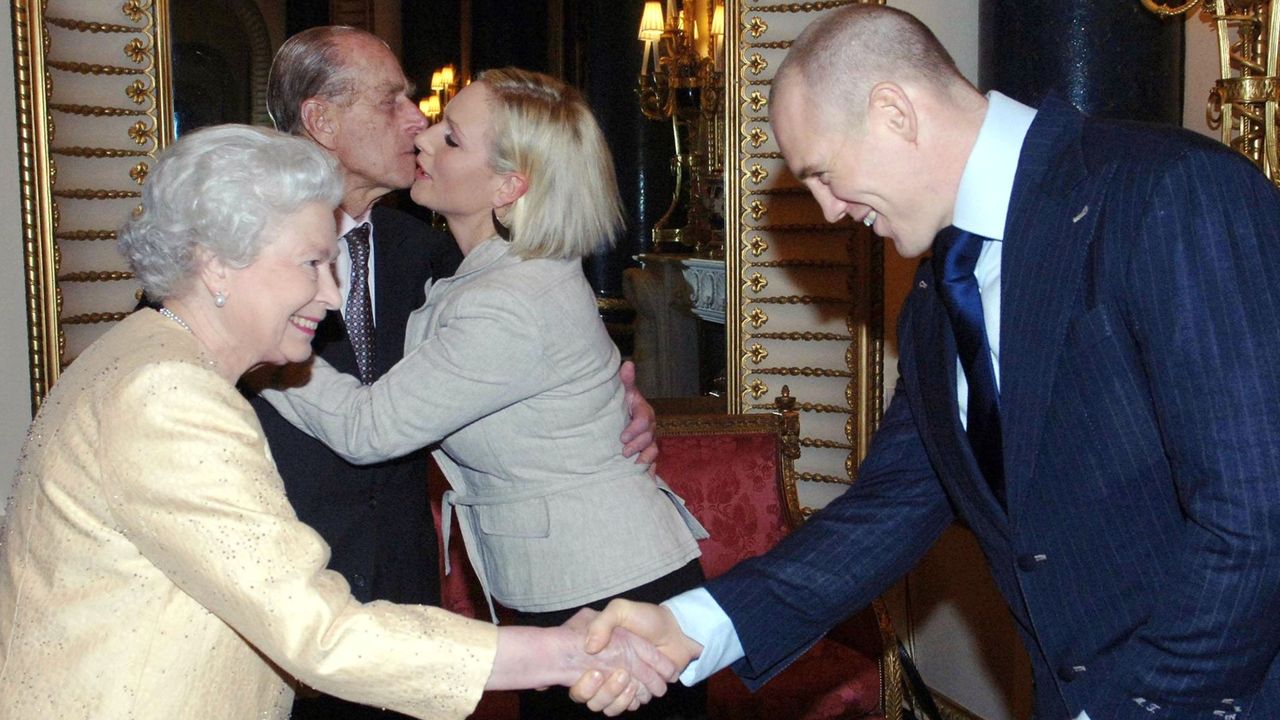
pixel 613 661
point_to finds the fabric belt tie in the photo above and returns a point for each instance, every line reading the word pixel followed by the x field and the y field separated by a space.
pixel 452 499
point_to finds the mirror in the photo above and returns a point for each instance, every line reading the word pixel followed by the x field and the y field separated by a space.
pixel 801 300
pixel 220 64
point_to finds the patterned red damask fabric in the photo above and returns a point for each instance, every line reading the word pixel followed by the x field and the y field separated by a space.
pixel 730 483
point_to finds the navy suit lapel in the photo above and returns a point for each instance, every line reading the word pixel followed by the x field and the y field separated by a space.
pixel 1053 214
pixel 390 316
pixel 935 359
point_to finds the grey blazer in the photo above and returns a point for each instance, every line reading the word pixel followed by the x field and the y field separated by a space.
pixel 509 366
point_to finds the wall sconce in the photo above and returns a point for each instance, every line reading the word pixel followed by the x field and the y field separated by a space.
pixel 1244 104
pixel 684 83
pixel 430 106
pixel 443 85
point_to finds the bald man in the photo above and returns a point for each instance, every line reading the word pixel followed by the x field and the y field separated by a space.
pixel 1089 382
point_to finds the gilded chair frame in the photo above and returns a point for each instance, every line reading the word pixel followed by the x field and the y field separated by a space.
pixel 805 299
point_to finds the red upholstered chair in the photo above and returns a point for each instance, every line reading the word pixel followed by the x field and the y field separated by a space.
pixel 736 474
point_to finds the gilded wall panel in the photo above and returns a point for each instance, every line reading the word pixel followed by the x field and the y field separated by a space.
pixel 805 297
pixel 90 122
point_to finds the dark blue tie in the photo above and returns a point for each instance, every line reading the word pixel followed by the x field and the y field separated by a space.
pixel 959 250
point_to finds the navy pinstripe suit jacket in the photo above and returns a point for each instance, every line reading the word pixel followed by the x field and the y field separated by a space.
pixel 1140 395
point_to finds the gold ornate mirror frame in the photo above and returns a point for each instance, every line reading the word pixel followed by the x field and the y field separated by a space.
pixel 91 118
pixel 805 298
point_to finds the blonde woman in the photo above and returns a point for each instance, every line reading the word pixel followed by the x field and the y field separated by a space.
pixel 509 367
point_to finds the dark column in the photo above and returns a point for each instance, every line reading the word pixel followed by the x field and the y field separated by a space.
pixel 1109 58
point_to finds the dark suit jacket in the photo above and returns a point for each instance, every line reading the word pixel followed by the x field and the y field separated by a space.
pixel 375 518
pixel 1140 395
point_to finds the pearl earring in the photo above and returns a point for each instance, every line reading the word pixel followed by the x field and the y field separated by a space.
pixel 219 299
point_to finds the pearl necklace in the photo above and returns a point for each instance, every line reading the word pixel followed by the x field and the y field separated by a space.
pixel 170 314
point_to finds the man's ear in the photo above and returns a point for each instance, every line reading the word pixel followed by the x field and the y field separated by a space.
pixel 513 186
pixel 317 119
pixel 890 108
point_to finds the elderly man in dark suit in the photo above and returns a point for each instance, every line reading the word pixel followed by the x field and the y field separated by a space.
pixel 1089 380
pixel 344 89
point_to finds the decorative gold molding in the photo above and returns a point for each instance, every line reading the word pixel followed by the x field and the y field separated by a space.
pixel 1244 104
pixel 87 152
pixel 801 300
pixel 822 478
pixel 82 194
pixel 83 68
pixel 803 372
pixel 784 191
pixel 803 336
pixel 806 7
pixel 96 276
pixel 823 264
pixel 94 318
pixel 86 235
pixel 826 444
pixel 95 111
pixel 85 26
pixel 92 48
pixel 811 407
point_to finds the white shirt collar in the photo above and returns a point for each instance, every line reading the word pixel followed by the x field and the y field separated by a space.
pixel 982 203
pixel 346 222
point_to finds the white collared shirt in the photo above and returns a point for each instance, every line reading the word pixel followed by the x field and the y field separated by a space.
pixel 982 206
pixel 343 265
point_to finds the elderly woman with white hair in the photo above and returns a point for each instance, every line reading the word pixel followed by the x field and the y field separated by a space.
pixel 150 563
pixel 509 367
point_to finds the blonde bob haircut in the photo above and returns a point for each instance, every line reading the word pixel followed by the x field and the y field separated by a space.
pixel 542 129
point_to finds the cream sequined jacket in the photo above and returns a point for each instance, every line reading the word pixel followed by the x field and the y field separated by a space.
pixel 509 363
pixel 152 568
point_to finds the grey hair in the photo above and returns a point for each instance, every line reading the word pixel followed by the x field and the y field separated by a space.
pixel 310 64
pixel 840 57
pixel 217 189
pixel 544 130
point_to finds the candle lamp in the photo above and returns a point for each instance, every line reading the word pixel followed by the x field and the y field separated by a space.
pixel 683 83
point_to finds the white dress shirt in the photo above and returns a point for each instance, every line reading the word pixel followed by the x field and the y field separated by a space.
pixel 982 204
pixel 343 265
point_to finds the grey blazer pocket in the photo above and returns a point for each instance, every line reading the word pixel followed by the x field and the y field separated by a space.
pixel 525 519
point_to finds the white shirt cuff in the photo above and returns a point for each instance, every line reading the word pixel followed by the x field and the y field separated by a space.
pixel 701 618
